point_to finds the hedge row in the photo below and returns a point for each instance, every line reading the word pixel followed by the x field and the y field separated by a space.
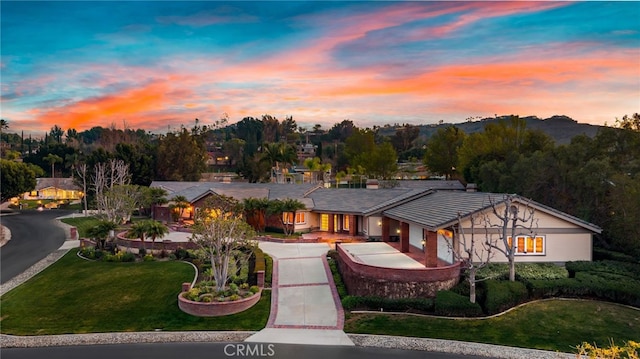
pixel 502 295
pixel 394 305
pixel 449 303
pixel 524 271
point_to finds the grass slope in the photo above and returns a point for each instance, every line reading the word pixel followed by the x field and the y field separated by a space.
pixel 550 325
pixel 78 296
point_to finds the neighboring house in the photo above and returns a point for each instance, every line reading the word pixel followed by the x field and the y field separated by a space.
pixel 418 214
pixel 55 188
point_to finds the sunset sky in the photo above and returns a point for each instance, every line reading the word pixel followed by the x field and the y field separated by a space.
pixel 157 65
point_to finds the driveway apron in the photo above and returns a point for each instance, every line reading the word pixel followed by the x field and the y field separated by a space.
pixel 305 307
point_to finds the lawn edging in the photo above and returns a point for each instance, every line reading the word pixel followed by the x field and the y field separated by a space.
pixel 490 316
pixel 453 347
pixel 36 341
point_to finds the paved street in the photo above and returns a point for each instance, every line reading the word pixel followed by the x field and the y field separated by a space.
pixel 221 350
pixel 33 236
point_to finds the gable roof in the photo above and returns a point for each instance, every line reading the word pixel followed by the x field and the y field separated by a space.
pixel 430 184
pixel 358 201
pixel 60 183
pixel 194 191
pixel 440 209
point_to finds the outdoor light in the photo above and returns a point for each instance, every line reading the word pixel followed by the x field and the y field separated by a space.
pixel 379 223
pixel 424 242
pixel 398 230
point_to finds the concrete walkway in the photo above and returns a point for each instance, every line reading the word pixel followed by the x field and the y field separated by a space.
pixel 305 307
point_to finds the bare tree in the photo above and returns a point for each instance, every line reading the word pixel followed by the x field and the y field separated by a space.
pixel 105 177
pixel 474 253
pixel 119 202
pixel 516 218
pixel 81 170
pixel 224 236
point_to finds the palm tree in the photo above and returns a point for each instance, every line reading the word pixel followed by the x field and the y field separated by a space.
pixel 148 228
pixel 181 203
pixel 155 230
pixel 289 205
pixel 276 153
pixel 138 230
pixel 52 159
pixel 315 166
pixel 255 210
pixel 101 232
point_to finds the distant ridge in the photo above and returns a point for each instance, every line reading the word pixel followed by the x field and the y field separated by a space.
pixel 559 127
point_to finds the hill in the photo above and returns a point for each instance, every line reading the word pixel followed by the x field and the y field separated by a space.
pixel 561 128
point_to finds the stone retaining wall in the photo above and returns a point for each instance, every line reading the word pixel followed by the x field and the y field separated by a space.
pixel 394 283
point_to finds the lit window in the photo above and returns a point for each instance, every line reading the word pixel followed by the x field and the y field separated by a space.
pixel 324 222
pixel 345 224
pixel 528 245
pixel 287 217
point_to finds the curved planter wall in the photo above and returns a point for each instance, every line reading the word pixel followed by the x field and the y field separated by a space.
pixel 217 309
pixel 367 280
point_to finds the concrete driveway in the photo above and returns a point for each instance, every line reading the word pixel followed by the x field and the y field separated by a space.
pixel 305 307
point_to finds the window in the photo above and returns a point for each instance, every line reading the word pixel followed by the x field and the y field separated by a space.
pixel 324 222
pixel 287 217
pixel 345 222
pixel 528 245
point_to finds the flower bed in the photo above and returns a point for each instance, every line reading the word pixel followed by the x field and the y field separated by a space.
pixel 209 304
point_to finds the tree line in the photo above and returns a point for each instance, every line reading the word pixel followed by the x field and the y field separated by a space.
pixel 595 179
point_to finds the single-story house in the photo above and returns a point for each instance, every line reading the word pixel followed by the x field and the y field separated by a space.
pixel 55 188
pixel 425 216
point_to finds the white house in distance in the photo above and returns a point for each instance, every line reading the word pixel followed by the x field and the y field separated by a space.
pixel 55 188
pixel 416 216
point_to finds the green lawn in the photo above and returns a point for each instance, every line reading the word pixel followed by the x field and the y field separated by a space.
pixel 78 296
pixel 550 325
pixel 82 223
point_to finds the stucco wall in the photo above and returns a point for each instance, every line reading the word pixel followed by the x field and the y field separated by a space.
pixel 564 241
pixel 415 235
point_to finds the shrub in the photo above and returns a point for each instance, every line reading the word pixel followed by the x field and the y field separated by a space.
pixel 142 251
pixel 600 254
pixel 502 295
pixel 534 271
pixel 234 297
pixel 449 303
pixel 566 287
pixel 88 252
pixel 612 287
pixel 233 288
pixel 337 278
pixel 127 257
pixel 631 270
pixel 254 289
pixel 494 271
pixel 181 253
pixel 244 286
pixel 149 258
pixel 630 350
pixel 192 294
pixel 524 271
pixel 268 274
pixel 350 302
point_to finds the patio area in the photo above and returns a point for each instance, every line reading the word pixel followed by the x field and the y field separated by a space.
pixel 380 254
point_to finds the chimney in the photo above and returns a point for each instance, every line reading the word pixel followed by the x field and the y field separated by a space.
pixel 471 187
pixel 372 184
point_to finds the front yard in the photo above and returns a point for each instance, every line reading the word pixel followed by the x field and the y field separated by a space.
pixel 78 296
pixel 550 325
